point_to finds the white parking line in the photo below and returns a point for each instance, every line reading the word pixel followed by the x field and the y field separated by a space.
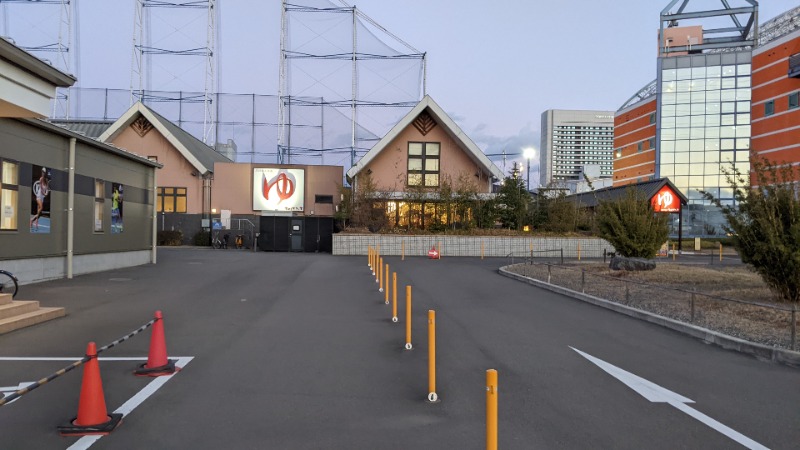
pixel 127 407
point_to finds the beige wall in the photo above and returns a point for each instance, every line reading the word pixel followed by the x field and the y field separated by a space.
pixel 232 188
pixel 177 171
pixel 389 167
pixel 682 36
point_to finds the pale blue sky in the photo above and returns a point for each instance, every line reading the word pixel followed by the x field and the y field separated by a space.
pixel 494 66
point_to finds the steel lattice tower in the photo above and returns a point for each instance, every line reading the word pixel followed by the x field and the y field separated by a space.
pixel 58 49
pixel 144 51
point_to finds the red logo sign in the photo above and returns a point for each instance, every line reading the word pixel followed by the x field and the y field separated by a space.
pixel 284 186
pixel 666 200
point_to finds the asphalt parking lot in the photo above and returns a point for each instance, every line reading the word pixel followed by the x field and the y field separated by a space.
pixel 297 351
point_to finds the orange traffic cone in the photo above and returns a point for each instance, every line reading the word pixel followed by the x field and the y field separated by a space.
pixel 92 415
pixel 157 362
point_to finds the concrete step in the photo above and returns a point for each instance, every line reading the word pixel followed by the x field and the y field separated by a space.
pixel 16 308
pixel 5 299
pixel 31 318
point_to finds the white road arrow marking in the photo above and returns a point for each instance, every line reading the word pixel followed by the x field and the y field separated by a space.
pixel 658 394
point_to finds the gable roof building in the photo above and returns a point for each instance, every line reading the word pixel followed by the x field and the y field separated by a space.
pixel 142 119
pixel 393 171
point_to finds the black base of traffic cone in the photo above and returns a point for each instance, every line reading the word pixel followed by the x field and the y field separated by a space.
pixel 104 428
pixel 166 369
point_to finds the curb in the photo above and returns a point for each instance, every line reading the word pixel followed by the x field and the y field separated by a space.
pixel 760 351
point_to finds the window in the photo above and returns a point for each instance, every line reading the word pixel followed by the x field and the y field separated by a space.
pixel 171 199
pixel 323 199
pixel 794 100
pixel 653 118
pixel 423 164
pixel 769 108
pixel 99 203
pixel 9 190
pixel 639 147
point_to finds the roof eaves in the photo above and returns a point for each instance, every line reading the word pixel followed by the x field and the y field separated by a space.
pixel 34 65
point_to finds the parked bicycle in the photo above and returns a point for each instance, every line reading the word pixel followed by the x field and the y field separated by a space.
pixel 8 283
pixel 216 242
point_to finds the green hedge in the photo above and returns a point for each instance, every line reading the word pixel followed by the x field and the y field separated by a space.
pixel 202 238
pixel 170 237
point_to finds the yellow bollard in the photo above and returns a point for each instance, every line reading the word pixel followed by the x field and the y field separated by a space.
pixel 394 297
pixel 387 283
pixel 408 317
pixel 491 409
pixel 481 249
pixel 369 256
pixel 579 251
pixel 720 251
pixel 379 280
pixel 402 250
pixel 432 397
pixel 372 262
pixel 673 251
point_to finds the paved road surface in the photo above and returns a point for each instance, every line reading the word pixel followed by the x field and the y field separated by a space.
pixel 296 351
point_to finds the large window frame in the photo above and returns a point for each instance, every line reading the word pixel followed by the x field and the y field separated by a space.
pixel 423 164
pixel 9 195
pixel 171 199
pixel 794 100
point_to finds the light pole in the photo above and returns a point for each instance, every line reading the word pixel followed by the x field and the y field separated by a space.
pixel 529 154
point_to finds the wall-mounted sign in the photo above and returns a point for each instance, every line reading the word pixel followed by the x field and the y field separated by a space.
pixel 278 189
pixel 666 201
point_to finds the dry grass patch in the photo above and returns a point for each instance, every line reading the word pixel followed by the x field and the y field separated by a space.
pixel 735 282
pixel 655 291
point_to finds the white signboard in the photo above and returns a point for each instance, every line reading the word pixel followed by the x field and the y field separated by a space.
pixel 278 189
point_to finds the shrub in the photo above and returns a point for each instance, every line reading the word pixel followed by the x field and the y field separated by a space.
pixel 765 223
pixel 631 226
pixel 202 238
pixel 170 237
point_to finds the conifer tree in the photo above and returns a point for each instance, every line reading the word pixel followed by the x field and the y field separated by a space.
pixel 631 226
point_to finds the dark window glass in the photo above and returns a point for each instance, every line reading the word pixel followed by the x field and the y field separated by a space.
pixel 769 108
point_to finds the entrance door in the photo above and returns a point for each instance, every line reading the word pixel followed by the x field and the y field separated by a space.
pixel 296 235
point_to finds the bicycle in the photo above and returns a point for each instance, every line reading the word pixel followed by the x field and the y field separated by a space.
pixel 219 243
pixel 8 283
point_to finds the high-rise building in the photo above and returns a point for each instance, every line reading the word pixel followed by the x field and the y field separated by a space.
pixel 776 90
pixel 698 110
pixel 635 138
pixel 572 139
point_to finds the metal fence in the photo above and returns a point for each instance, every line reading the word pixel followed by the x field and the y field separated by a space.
pixel 773 325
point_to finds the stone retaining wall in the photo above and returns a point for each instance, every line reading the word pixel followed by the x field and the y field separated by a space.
pixel 493 246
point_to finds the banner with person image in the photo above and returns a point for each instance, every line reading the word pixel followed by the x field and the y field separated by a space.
pixel 116 208
pixel 40 200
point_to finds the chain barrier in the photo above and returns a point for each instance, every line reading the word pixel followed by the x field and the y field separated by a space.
pixel 13 396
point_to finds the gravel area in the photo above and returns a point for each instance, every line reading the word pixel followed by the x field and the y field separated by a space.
pixel 730 300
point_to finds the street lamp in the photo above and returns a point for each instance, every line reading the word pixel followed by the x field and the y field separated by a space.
pixel 529 153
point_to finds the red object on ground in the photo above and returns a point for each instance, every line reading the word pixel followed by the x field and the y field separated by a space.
pixel 157 362
pixel 432 253
pixel 157 356
pixel 93 418
pixel 92 403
